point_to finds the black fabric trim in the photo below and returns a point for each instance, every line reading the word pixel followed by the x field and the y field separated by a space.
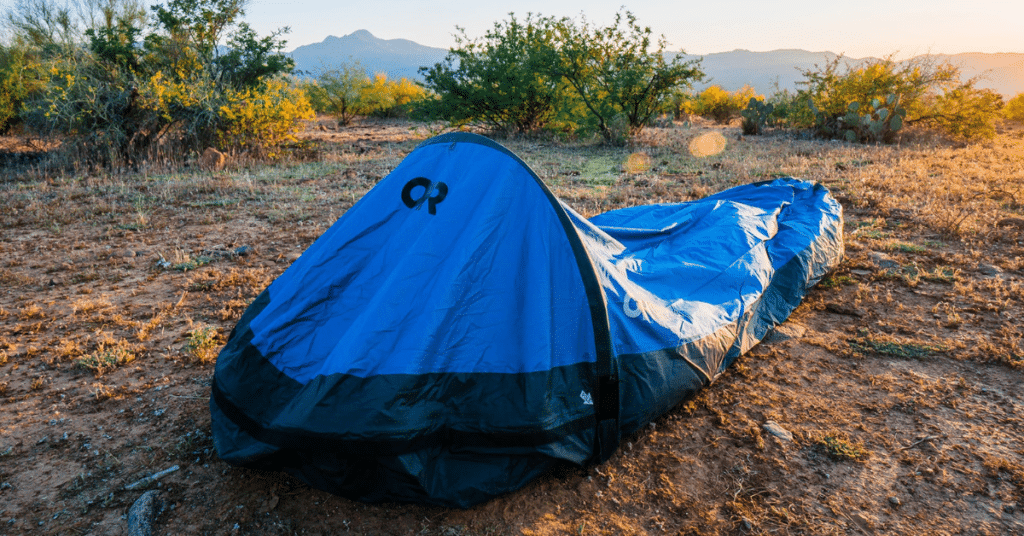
pixel 347 446
pixel 606 386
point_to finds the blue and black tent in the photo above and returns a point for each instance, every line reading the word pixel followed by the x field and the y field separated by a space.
pixel 460 330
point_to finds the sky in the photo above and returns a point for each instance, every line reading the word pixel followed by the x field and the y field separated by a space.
pixel 859 29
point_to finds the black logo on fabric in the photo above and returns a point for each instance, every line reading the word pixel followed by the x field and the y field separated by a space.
pixel 429 187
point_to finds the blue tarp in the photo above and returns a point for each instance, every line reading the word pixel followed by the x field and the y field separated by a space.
pixel 460 330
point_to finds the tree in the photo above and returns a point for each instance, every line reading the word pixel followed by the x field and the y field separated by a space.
pixel 120 101
pixel 50 27
pixel 617 73
pixel 338 92
pixel 1014 110
pixel 964 112
pixel 503 80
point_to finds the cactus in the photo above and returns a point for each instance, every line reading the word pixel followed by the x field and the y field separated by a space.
pixel 755 116
pixel 880 124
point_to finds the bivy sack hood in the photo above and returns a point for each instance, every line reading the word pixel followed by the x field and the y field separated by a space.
pixel 460 331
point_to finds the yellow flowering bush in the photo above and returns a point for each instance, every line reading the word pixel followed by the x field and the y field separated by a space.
pixel 259 118
pixel 1014 110
pixel 718 104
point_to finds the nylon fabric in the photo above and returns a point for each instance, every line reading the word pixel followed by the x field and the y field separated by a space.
pixel 460 330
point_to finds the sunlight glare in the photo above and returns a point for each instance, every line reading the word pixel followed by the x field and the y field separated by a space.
pixel 708 144
pixel 637 163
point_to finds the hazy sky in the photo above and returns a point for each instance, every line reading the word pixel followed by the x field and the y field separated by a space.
pixel 858 28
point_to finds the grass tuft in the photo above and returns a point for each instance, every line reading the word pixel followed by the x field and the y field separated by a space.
pixel 107 357
pixel 839 447
pixel 202 344
pixel 868 344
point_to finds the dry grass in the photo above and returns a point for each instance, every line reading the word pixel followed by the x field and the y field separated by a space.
pixel 910 366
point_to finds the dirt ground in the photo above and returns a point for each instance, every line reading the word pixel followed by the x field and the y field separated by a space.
pixel 898 379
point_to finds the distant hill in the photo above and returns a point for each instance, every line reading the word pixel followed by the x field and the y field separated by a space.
pixel 1003 73
pixel 732 70
pixel 397 58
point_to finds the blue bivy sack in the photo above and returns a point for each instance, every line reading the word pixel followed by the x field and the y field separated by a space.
pixel 460 330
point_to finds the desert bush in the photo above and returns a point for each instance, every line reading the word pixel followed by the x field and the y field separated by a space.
pixel 964 112
pixel 618 72
pixel 338 92
pixel 871 101
pixel 391 98
pixel 13 64
pixel 259 119
pixel 502 80
pixel 1014 109
pixel 166 89
pixel 722 106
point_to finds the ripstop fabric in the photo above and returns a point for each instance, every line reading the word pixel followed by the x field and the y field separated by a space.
pixel 460 330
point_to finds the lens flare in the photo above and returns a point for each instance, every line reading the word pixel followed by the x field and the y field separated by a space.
pixel 637 163
pixel 708 144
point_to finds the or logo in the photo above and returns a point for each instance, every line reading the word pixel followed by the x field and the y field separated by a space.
pixel 429 187
pixel 587 399
pixel 634 308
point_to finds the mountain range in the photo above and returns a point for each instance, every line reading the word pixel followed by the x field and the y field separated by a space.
pixel 401 58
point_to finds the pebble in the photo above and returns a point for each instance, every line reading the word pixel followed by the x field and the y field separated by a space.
pixel 774 429
pixel 1010 508
pixel 895 501
pixel 243 251
pixel 989 269
pixel 142 513
pixel 882 260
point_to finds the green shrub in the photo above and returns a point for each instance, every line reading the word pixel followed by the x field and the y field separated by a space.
pixel 873 100
pixel 556 75
pixel 1014 109
pixel 127 98
pixel 619 73
pixel 338 92
pixel 502 80
pixel 965 112
pixel 13 66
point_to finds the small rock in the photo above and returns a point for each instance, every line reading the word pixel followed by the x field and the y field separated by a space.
pixel 243 251
pixel 1011 222
pixel 882 260
pixel 774 429
pixel 1010 508
pixel 862 273
pixel 785 332
pixel 845 310
pixel 989 269
pixel 212 160
pixel 895 501
pixel 747 524
pixel 142 513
